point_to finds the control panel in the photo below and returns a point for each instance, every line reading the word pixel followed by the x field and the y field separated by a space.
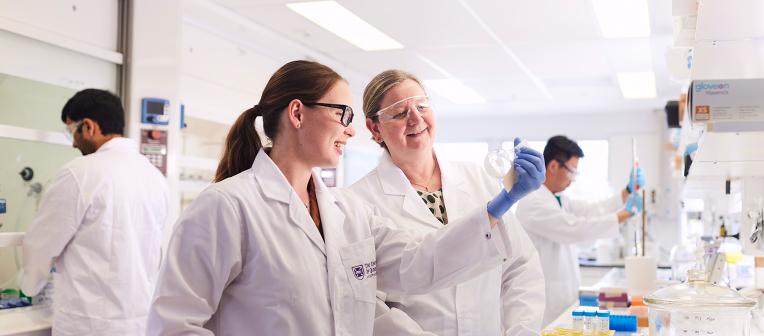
pixel 155 111
pixel 154 147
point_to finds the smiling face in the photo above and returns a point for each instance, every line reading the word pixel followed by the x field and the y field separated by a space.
pixel 323 137
pixel 408 125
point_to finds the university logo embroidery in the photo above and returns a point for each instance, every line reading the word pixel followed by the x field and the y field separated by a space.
pixel 358 272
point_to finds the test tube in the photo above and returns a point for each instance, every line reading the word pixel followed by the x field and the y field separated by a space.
pixel 603 321
pixel 578 319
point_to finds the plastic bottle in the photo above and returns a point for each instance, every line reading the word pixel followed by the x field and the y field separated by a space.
pixel 578 319
pixel 603 321
pixel 590 321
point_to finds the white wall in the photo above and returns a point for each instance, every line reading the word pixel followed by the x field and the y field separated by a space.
pixel 541 127
pixel 154 56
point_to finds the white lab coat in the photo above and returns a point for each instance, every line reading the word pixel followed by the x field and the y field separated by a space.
pixel 555 230
pixel 100 224
pixel 246 259
pixel 507 300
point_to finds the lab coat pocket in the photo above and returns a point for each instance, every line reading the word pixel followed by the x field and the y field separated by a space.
pixel 360 262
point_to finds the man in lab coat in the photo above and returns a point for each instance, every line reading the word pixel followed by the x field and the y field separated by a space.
pixel 556 223
pixel 99 226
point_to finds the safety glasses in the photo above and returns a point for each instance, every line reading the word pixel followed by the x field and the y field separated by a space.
pixel 572 173
pixel 400 110
pixel 71 128
pixel 346 117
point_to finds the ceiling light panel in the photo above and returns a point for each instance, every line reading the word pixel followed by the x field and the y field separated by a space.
pixel 622 18
pixel 338 20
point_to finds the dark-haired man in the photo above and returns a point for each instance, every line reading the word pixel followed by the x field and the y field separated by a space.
pixel 556 223
pixel 99 226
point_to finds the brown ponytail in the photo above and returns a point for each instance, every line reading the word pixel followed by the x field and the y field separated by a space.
pixel 303 80
pixel 242 144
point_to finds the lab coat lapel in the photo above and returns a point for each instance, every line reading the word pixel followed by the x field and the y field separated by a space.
pixel 276 187
pixel 332 216
pixel 455 193
pixel 395 183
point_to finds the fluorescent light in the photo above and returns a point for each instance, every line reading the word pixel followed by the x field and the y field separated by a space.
pixel 637 85
pixel 454 91
pixel 331 16
pixel 622 18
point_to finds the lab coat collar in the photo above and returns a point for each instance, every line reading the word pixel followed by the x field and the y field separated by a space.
pixel 332 213
pixel 275 186
pixel 118 143
pixel 395 183
pixel 548 195
pixel 273 182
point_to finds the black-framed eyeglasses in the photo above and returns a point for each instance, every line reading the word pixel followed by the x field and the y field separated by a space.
pixel 347 112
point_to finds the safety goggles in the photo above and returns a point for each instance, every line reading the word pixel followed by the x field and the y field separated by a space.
pixel 400 110
pixel 572 173
pixel 347 112
pixel 71 128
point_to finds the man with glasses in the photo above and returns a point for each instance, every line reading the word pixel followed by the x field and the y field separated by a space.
pixel 556 223
pixel 99 226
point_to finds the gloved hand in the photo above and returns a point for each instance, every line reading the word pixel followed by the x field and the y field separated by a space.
pixel 691 148
pixel 641 179
pixel 634 203
pixel 531 172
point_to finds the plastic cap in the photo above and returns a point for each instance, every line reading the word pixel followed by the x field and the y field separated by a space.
pixel 578 312
pixel 591 312
pixel 623 323
pixel 603 313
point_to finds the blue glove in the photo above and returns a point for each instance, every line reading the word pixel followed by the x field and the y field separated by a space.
pixel 531 172
pixel 641 180
pixel 634 201
pixel 691 148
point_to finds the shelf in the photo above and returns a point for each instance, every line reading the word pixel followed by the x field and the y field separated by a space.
pixel 723 156
pixel 729 155
pixel 9 239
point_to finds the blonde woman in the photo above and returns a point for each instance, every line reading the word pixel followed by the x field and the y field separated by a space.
pixel 411 181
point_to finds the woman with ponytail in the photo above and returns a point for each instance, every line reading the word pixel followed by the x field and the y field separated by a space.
pixel 270 250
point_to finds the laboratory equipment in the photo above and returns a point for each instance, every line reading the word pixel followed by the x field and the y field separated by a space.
pixel 500 165
pixel 603 321
pixel 154 147
pixel 578 319
pixel 698 307
pixel 641 274
pixel 590 320
pixel 682 259
pixel 27 174
pixel 155 111
pixel 624 323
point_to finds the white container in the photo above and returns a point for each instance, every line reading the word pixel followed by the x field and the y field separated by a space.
pixel 641 274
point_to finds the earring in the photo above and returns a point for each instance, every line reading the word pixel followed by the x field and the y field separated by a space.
pixel 299 124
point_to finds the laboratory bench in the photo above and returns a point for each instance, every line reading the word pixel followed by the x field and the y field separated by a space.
pixel 598 277
pixel 26 321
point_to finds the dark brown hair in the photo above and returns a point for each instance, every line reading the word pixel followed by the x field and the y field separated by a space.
pixel 304 80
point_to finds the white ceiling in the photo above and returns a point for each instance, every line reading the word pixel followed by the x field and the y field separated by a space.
pixel 556 41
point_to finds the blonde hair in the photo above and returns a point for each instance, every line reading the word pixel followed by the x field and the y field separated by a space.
pixel 379 86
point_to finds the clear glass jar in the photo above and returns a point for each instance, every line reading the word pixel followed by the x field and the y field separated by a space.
pixel 698 308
